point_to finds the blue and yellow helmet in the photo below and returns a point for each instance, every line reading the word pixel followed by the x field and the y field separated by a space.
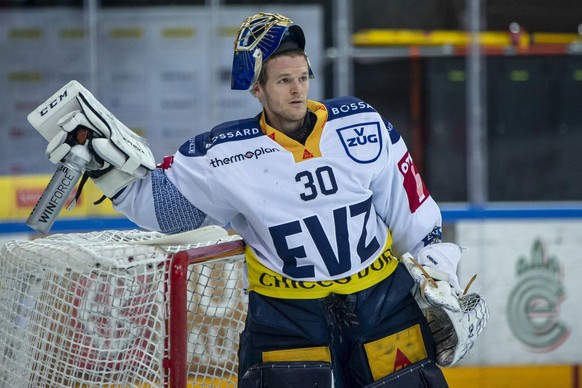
pixel 259 37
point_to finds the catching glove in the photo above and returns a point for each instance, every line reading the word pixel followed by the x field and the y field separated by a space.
pixel 456 318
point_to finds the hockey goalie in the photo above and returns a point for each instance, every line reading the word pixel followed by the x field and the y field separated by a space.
pixel 327 198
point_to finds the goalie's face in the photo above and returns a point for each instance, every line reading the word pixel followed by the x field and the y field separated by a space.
pixel 284 91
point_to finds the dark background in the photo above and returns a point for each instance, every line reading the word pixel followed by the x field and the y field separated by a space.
pixel 533 102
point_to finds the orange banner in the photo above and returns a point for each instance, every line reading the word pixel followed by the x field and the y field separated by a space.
pixel 20 194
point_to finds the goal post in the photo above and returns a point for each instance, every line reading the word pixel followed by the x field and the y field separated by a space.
pixel 222 256
pixel 120 309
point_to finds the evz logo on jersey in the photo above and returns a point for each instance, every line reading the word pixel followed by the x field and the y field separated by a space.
pixel 416 191
pixel 362 142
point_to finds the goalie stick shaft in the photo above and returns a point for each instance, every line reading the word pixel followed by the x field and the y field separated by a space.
pixel 215 252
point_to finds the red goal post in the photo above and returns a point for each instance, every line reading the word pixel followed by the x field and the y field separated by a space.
pixel 121 308
pixel 221 257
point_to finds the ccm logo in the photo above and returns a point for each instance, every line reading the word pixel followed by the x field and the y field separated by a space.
pixel 415 189
pixel 53 103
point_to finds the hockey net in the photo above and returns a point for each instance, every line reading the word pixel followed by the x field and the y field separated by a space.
pixel 121 309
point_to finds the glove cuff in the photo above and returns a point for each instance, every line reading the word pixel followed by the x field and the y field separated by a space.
pixel 113 181
pixel 443 260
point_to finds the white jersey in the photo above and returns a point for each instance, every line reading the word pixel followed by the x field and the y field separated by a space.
pixel 315 212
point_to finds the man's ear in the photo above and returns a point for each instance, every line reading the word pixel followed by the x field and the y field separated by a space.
pixel 255 91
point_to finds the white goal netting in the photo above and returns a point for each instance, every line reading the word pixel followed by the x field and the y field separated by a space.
pixel 93 309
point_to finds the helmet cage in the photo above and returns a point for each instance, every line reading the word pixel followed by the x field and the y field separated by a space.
pixel 258 38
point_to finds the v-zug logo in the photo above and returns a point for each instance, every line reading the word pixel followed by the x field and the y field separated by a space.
pixel 362 142
pixel 362 138
pixel 255 154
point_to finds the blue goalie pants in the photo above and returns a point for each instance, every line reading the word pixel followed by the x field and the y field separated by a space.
pixel 376 337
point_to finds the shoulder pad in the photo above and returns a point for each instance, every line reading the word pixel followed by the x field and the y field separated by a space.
pixel 346 106
pixel 225 132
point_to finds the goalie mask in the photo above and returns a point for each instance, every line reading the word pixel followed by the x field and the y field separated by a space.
pixel 259 37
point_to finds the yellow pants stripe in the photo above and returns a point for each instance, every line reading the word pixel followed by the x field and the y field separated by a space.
pixel 320 353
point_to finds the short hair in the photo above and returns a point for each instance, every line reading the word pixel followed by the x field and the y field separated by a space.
pixel 262 78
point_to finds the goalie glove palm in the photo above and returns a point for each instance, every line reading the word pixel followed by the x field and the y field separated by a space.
pixel 456 319
pixel 119 156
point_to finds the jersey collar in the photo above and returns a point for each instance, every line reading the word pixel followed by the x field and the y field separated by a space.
pixel 311 148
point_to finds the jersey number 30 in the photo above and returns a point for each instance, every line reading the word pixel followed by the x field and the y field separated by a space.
pixel 324 182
